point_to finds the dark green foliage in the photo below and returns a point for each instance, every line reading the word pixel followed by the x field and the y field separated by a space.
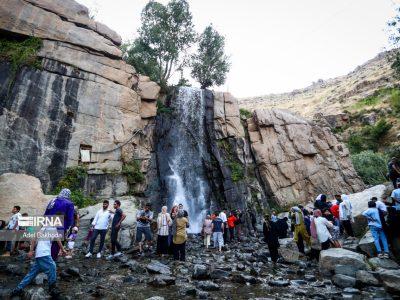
pixel 237 171
pixel 20 53
pixel 162 109
pixel 369 137
pixel 244 113
pixel 73 179
pixel 132 172
pixel 210 64
pixel 395 100
pixel 396 64
pixel 166 33
pixel 370 166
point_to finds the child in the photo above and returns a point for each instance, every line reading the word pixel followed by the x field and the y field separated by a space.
pixel 12 225
pixel 375 226
pixel 71 242
pixel 90 234
pixel 43 263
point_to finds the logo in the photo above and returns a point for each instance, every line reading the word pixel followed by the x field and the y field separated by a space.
pixel 41 221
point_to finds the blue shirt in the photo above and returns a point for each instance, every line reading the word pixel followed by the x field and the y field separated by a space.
pixel 217 222
pixel 372 215
pixel 396 196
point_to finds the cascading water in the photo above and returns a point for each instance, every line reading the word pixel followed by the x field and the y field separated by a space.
pixel 186 182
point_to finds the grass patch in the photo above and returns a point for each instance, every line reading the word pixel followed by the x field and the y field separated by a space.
pixel 73 179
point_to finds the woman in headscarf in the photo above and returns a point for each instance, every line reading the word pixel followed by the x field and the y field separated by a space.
pixel 300 231
pixel 271 237
pixel 61 205
pixel 163 223
pixel 179 236
pixel 173 215
pixel 207 231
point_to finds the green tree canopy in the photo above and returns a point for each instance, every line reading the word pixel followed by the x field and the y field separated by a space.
pixel 210 65
pixel 165 35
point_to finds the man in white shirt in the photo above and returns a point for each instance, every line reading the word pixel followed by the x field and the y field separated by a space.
pixel 43 262
pixel 222 216
pixel 100 225
pixel 346 215
pixel 12 225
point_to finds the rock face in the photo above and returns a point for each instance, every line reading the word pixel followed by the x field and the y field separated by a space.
pixel 23 190
pixel 298 159
pixel 84 97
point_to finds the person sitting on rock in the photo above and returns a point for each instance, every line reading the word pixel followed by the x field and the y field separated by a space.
pixel 271 237
pixel 346 215
pixel 375 226
pixel 44 262
pixel 300 231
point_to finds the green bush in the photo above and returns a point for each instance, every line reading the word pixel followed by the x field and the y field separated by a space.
pixel 20 53
pixel 395 100
pixel 132 172
pixel 370 166
pixel 369 137
pixel 244 113
pixel 162 109
pixel 237 171
pixel 73 179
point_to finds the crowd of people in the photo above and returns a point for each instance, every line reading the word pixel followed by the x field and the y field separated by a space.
pixel 314 229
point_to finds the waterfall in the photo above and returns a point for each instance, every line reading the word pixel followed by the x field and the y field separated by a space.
pixel 186 182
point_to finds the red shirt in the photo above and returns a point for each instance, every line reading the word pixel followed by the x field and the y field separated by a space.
pixel 335 210
pixel 231 221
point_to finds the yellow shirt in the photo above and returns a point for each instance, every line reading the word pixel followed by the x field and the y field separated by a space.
pixel 180 236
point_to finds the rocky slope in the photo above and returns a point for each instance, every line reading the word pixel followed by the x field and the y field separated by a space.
pixel 84 96
pixel 332 96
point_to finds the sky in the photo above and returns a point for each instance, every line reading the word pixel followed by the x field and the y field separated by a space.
pixel 276 46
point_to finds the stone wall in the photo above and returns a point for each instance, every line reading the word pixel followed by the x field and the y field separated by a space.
pixel 85 95
pixel 299 160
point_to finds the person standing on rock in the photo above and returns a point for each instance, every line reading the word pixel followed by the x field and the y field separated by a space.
pixel 218 228
pixel 300 231
pixel 44 262
pixel 223 217
pixel 207 231
pixel 100 225
pixel 253 220
pixel 382 213
pixel 346 215
pixel 164 221
pixel 239 225
pixel 117 220
pixel 375 226
pixel 180 236
pixel 321 203
pixel 144 217
pixel 12 225
pixel 394 171
pixel 335 211
pixel 61 205
pixel 396 197
pixel 185 213
pixel 173 215
pixel 282 226
pixel 231 221
pixel 271 237
pixel 322 226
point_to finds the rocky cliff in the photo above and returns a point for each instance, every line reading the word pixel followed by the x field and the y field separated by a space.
pixel 332 96
pixel 83 97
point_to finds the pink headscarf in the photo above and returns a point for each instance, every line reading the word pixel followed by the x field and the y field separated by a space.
pixel 317 213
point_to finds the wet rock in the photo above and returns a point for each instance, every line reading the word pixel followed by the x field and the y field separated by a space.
pixel 310 278
pixel 73 271
pixel 200 272
pixel 155 298
pixel 367 245
pixel 352 291
pixel 240 267
pixel 343 281
pixel 158 282
pixel 279 283
pixel 241 278
pixel 329 258
pixel 345 270
pixel 383 263
pixel 130 279
pixel 169 280
pixel 299 282
pixel 391 280
pixel 208 286
pixel 255 271
pixel 134 266
pixel 366 278
pixel 156 267
pixel 202 294
pixel 36 294
pixel 219 274
pixel 14 269
pixel 40 278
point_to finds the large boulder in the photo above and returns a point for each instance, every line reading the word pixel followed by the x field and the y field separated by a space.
pixel 23 190
pixel 127 232
pixel 328 260
pixel 298 159
pixel 367 245
pixel 391 280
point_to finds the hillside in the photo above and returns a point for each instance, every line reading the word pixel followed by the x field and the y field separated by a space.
pixel 332 96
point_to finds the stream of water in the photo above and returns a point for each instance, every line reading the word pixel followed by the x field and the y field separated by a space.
pixel 187 183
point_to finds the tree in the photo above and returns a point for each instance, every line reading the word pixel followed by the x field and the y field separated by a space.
pixel 394 38
pixel 165 35
pixel 210 65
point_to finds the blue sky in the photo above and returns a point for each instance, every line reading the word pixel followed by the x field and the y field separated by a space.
pixel 277 45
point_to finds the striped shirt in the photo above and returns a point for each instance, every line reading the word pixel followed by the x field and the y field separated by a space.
pixel 163 222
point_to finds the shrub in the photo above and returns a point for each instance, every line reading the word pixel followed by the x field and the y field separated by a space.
pixel 20 53
pixel 370 166
pixel 73 179
pixel 395 100
pixel 244 113
pixel 132 172
pixel 162 109
pixel 237 171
